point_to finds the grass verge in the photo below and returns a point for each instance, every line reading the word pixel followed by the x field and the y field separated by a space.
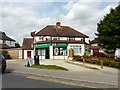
pixel 50 67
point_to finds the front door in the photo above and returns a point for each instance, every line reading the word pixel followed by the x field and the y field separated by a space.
pixel 28 53
pixel 47 54
pixel 95 51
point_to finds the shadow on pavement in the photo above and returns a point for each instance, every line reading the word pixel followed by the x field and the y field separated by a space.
pixel 8 71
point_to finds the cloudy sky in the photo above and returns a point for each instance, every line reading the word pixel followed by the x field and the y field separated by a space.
pixel 20 17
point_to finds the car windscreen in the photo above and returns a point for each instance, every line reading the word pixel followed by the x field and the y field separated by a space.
pixel 1 57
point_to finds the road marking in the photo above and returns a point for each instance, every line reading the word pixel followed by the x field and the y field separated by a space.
pixel 59 81
pixel 46 77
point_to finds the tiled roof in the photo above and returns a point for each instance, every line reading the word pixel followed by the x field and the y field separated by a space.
pixel 27 43
pixel 4 46
pixel 94 47
pixel 3 36
pixel 63 31
pixel 94 41
pixel 60 41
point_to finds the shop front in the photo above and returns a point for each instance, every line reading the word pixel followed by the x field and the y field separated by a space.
pixel 43 51
pixel 54 51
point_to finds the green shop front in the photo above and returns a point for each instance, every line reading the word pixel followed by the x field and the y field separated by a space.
pixel 54 51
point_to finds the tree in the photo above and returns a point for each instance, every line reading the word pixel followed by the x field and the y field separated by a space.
pixel 109 30
pixel 17 45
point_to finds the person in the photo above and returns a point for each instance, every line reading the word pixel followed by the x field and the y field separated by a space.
pixel 29 61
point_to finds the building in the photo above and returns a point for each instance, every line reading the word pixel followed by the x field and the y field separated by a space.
pixel 5 41
pixel 94 47
pixel 54 42
pixel 27 48
pixel 7 47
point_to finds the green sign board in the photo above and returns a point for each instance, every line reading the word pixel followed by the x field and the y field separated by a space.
pixel 60 45
pixel 42 46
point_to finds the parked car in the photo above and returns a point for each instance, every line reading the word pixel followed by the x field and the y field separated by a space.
pixel 101 54
pixel 2 63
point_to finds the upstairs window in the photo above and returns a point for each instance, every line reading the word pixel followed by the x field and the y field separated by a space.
pixel 41 38
pixel 55 38
pixel 4 41
pixel 70 38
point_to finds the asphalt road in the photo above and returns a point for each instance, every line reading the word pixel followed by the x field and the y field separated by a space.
pixel 15 80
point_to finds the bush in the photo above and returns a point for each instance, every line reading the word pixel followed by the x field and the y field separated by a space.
pixel 77 58
pixel 106 62
pixel 115 64
pixel 111 62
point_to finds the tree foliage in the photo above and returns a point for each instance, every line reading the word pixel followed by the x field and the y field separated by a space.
pixel 109 30
pixel 17 45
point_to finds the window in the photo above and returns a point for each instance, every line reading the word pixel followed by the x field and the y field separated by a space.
pixel 4 41
pixel 60 51
pixel 42 52
pixel 55 38
pixel 77 49
pixel 1 41
pixel 70 38
pixel 41 38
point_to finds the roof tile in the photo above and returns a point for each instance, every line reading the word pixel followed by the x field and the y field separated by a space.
pixel 63 31
pixel 27 43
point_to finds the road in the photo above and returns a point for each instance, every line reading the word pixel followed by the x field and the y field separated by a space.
pixel 18 76
pixel 15 80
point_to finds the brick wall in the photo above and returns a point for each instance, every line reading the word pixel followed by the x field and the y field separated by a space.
pixel 14 54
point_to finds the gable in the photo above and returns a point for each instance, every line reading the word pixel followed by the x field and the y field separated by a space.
pixel 27 43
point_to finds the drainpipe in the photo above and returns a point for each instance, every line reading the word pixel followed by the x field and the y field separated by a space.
pixel 34 44
pixel 52 47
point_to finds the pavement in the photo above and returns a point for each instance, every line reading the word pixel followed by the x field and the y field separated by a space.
pixel 78 74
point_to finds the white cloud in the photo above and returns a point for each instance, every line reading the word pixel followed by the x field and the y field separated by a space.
pixel 18 22
pixel 84 16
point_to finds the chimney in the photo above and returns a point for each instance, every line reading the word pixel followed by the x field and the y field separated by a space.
pixel 32 34
pixel 58 24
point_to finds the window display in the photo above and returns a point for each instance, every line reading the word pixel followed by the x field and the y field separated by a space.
pixel 60 51
pixel 42 52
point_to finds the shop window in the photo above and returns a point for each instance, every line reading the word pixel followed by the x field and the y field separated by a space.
pixel 60 51
pixel 42 52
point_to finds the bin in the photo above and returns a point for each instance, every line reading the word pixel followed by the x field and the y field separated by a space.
pixel 36 59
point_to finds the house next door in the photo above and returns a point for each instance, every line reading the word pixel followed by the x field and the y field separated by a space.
pixel 95 51
pixel 28 53
pixel 47 55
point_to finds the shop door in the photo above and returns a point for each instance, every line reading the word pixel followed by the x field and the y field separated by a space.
pixel 28 53
pixel 47 56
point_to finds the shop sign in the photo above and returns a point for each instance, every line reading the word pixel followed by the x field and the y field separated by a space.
pixel 60 45
pixel 43 46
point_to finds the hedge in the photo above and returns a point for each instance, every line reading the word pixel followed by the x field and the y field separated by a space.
pixel 111 62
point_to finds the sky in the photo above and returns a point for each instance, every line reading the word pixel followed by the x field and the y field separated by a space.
pixel 20 17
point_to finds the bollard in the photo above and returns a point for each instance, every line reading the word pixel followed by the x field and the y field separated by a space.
pixel 83 60
pixel 101 64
